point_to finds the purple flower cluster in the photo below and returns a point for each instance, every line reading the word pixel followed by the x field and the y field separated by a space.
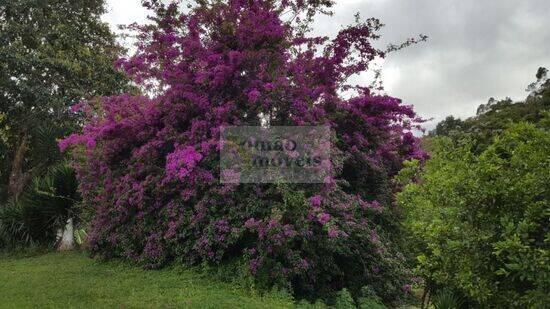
pixel 148 165
pixel 181 162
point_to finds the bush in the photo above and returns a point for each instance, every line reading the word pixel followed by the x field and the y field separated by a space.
pixel 344 300
pixel 369 299
pixel 446 300
pixel 479 222
pixel 369 303
pixel 35 218
pixel 149 167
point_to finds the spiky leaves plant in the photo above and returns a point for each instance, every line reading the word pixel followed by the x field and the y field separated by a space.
pixel 43 209
pixel 446 300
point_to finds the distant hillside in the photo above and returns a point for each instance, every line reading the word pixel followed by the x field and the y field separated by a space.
pixel 493 117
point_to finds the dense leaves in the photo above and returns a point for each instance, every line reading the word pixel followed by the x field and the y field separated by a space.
pixel 53 54
pixel 43 209
pixel 479 221
pixel 148 165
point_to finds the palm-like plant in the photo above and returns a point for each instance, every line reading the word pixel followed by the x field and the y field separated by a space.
pixel 47 202
pixel 446 300
pixel 42 210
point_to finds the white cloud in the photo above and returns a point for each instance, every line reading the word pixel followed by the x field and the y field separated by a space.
pixel 122 12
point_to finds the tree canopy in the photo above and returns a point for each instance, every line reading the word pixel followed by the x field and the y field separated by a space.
pixel 149 165
pixel 53 54
pixel 478 222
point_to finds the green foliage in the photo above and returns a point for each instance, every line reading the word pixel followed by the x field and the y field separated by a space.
pixel 369 303
pixel 236 272
pixel 53 54
pixel 369 299
pixel 478 222
pixel 80 236
pixel 344 300
pixel 304 304
pixel 446 300
pixel 43 209
pixel 448 127
pixel 541 86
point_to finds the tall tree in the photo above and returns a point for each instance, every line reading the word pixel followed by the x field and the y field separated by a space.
pixel 53 54
pixel 149 166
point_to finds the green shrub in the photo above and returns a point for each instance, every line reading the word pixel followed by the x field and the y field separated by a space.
pixel 304 304
pixel 478 223
pixel 446 300
pixel 344 300
pixel 369 299
pixel 369 303
pixel 43 208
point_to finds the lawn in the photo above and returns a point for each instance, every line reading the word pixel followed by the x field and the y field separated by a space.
pixel 72 280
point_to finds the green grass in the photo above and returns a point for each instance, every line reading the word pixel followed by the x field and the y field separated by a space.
pixel 72 280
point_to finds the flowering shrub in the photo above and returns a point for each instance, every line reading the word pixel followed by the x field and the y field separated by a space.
pixel 149 167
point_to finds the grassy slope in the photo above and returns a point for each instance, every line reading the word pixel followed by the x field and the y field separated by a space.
pixel 70 280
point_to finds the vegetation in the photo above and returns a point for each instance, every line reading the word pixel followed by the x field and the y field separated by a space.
pixel 35 218
pixel 467 225
pixel 476 214
pixel 495 116
pixel 72 280
pixel 53 54
pixel 478 223
pixel 446 300
pixel 149 165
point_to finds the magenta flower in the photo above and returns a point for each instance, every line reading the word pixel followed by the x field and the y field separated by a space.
pixel 253 95
pixel 149 164
pixel 316 200
pixel 251 223
pixel 181 162
pixel 323 218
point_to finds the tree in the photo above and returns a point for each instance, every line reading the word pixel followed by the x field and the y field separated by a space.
pixel 541 86
pixel 495 116
pixel 53 54
pixel 149 166
pixel 478 222
pixel 448 127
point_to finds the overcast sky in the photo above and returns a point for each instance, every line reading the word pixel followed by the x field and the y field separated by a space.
pixel 476 49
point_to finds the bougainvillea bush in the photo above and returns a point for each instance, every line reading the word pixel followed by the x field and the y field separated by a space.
pixel 148 164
